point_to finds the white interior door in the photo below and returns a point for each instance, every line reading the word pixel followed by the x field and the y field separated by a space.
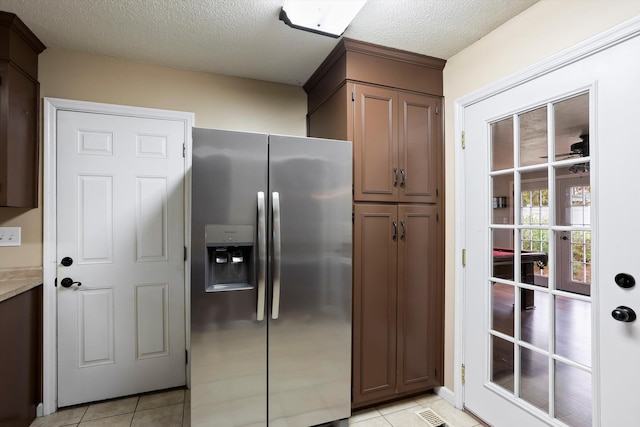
pixel 537 351
pixel 120 223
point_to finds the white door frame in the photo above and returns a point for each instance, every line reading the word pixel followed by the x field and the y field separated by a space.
pixel 49 259
pixel 607 39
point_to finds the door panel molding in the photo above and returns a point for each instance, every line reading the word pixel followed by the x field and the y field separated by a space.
pixel 51 106
pixel 589 47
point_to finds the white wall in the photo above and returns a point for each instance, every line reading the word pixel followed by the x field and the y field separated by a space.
pixel 544 29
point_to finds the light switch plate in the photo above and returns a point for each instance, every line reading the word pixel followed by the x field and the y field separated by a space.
pixel 10 236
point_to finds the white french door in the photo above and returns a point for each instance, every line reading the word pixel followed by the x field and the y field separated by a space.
pixel 545 336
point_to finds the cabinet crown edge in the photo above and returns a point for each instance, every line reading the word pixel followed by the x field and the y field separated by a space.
pixel 11 21
pixel 346 46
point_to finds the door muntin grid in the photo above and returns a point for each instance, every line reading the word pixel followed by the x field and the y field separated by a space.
pixel 532 348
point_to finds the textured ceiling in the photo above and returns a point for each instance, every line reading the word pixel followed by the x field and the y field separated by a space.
pixel 245 38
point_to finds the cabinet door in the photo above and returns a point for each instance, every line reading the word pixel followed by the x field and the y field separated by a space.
pixel 20 357
pixel 375 144
pixel 419 298
pixel 420 140
pixel 374 302
pixel 18 138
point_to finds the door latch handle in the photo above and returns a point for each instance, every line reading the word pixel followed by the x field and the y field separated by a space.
pixel 624 314
pixel 404 230
pixel 404 177
pixel 395 230
pixel 395 177
pixel 67 282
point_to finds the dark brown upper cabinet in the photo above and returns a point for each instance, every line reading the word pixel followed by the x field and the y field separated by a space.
pixel 389 103
pixel 397 144
pixel 19 111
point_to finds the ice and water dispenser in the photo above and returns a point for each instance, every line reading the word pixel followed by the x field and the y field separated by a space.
pixel 230 257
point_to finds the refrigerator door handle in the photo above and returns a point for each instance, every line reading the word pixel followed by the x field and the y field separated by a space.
pixel 277 255
pixel 262 256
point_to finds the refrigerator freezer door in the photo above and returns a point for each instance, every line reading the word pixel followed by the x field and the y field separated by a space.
pixel 228 339
pixel 310 341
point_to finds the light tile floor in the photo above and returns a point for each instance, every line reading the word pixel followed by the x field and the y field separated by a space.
pixel 403 414
pixel 163 409
pixel 167 409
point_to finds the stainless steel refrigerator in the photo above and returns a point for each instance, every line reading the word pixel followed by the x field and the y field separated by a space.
pixel 270 280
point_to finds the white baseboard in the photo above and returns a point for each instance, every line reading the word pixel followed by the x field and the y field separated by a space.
pixel 446 394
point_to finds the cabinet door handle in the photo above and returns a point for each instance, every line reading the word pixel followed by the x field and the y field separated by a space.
pixel 404 230
pixel 404 177
pixel 395 177
pixel 395 230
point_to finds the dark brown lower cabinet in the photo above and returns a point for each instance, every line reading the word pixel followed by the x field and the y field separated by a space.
pixel 398 301
pixel 20 358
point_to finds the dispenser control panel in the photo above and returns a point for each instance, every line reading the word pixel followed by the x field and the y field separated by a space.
pixel 224 234
pixel 230 254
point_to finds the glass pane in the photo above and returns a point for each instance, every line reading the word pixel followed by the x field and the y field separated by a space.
pixel 573 197
pixel 534 319
pixel 572 127
pixel 502 203
pixel 503 254
pixel 533 137
pixel 573 261
pixel 573 395
pixel 502 302
pixel 534 198
pixel 573 329
pixel 502 144
pixel 534 251
pixel 502 366
pixel 581 256
pixel 534 378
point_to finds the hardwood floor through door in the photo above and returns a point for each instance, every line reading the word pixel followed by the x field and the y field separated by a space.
pixel 573 341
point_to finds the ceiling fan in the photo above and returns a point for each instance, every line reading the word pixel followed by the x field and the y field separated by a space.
pixel 580 149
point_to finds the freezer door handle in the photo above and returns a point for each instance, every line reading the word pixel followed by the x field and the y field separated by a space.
pixel 277 255
pixel 262 256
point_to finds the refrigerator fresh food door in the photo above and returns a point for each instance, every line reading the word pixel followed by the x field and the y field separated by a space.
pixel 228 274
pixel 310 294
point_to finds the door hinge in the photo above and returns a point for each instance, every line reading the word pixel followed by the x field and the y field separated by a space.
pixel 185 253
pixel 55 282
pixel 464 141
pixel 437 193
pixel 353 218
pixel 463 371
pixel 184 149
pixel 437 110
pixel 353 96
pixel 437 218
pixel 186 357
pixel 464 257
